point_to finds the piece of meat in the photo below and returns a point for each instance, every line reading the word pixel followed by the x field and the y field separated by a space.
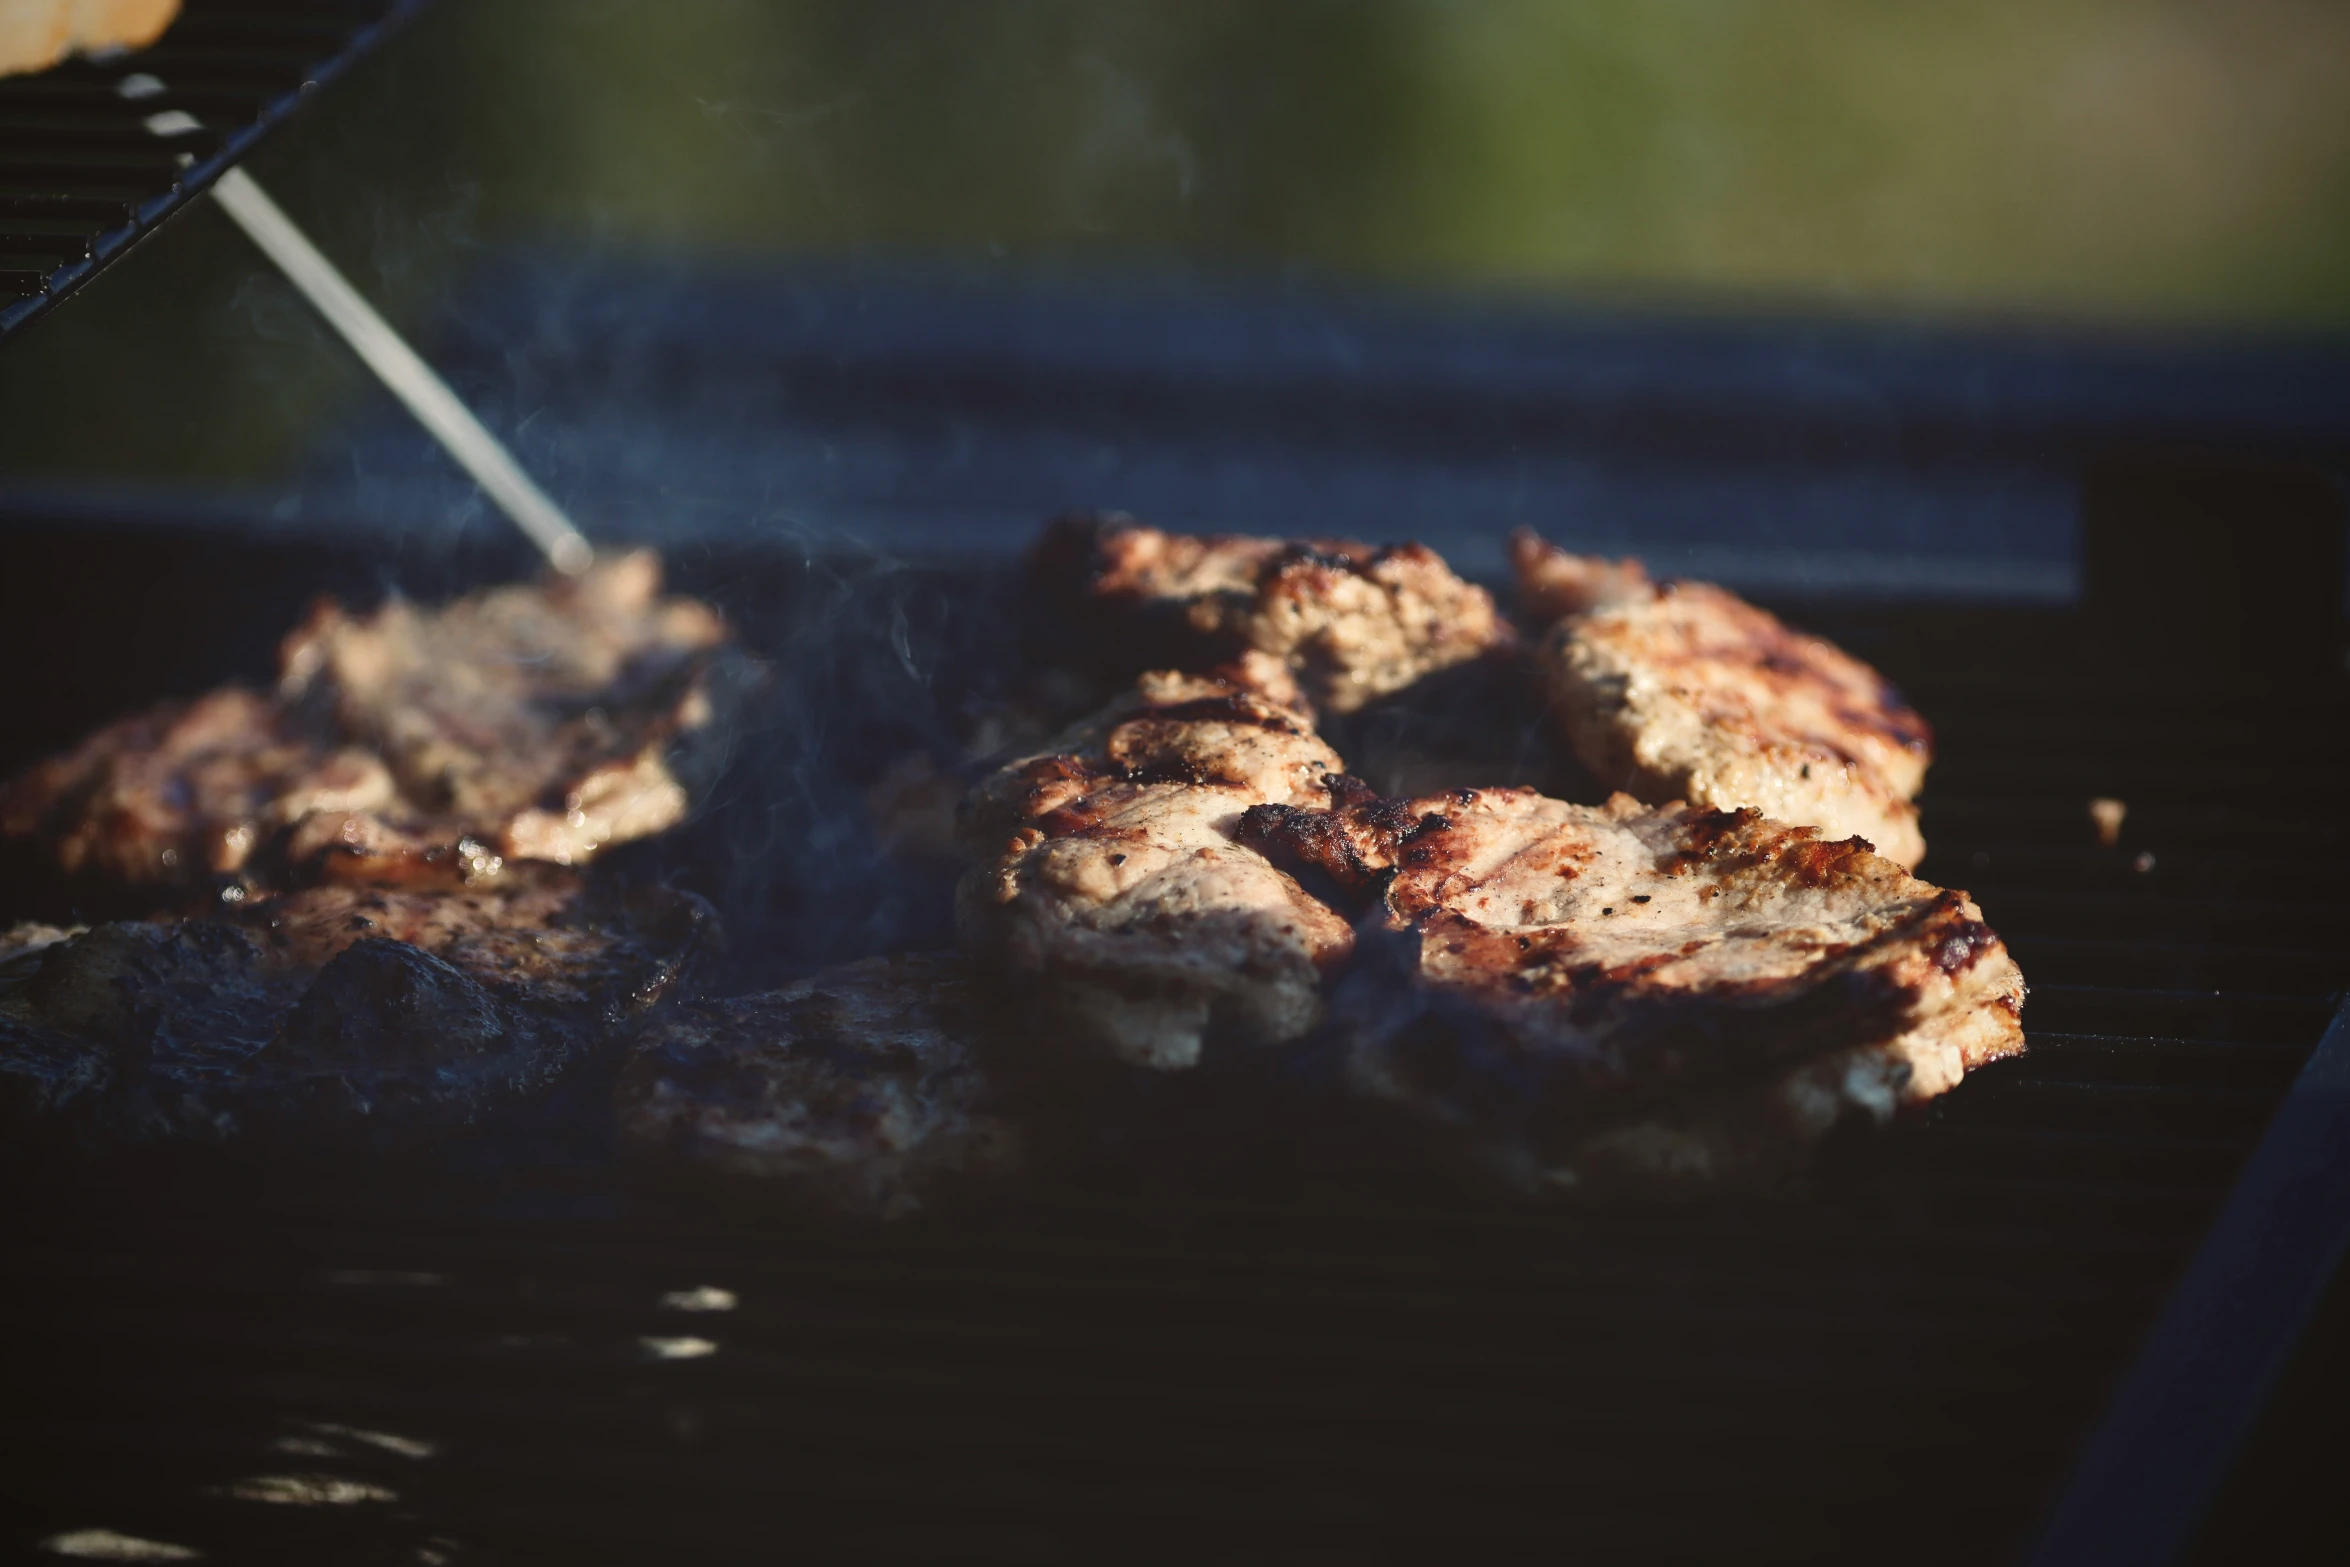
pixel 30 936
pixel 189 790
pixel 302 1018
pixel 540 722
pixel 549 720
pixel 1355 621
pixel 1654 995
pixel 858 1089
pixel 1683 691
pixel 1553 584
pixel 1111 898
pixel 36 34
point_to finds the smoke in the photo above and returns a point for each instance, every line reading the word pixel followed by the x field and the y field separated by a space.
pixel 874 661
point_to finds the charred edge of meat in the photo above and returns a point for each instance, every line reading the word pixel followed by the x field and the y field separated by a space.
pixel 1344 854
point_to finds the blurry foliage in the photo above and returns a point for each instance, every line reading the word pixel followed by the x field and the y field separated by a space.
pixel 2111 159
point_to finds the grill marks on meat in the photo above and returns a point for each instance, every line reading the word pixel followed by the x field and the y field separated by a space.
pixel 1597 994
pixel 334 1015
pixel 539 722
pixel 1683 691
pixel 1355 621
pixel 1114 898
pixel 858 1089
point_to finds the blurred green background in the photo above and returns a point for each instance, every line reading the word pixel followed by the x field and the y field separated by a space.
pixel 2113 161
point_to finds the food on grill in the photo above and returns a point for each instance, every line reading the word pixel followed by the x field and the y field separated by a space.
pixel 335 1014
pixel 1621 993
pixel 36 34
pixel 857 1089
pixel 1553 584
pixel 535 722
pixel 1682 691
pixel 31 936
pixel 1112 897
pixel 1355 621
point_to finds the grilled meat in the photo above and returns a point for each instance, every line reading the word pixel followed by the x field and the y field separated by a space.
pixel 190 789
pixel 1659 995
pixel 335 1014
pixel 1355 621
pixel 539 722
pixel 857 1089
pixel 1682 691
pixel 1112 896
pixel 1553 584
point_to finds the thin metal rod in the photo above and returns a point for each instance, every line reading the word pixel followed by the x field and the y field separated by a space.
pixel 2204 1372
pixel 411 380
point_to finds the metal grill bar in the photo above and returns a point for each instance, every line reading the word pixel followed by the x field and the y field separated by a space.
pixel 2227 1331
pixel 81 150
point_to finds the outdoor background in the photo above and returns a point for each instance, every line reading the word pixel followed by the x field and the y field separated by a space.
pixel 2149 165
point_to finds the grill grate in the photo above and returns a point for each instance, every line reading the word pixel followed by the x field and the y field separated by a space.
pixel 1902 1364
pixel 86 166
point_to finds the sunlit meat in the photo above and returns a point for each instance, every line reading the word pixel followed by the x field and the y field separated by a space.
pixel 857 1090
pixel 1111 897
pixel 532 722
pixel 1593 995
pixel 332 1016
pixel 1682 691
pixel 1355 621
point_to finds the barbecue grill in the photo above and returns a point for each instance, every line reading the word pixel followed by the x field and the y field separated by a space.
pixel 2039 1314
pixel 95 155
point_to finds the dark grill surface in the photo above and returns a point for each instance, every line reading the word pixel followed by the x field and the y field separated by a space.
pixel 1898 1365
pixel 83 175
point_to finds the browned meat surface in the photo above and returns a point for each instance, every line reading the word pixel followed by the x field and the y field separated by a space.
pixel 1355 621
pixel 1553 584
pixel 335 1014
pixel 189 789
pixel 1683 691
pixel 858 1089
pixel 540 722
pixel 1112 897
pixel 1655 995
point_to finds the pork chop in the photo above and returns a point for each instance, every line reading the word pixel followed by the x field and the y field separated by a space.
pixel 858 1089
pixel 1356 621
pixel 1111 897
pixel 1684 691
pixel 1657 995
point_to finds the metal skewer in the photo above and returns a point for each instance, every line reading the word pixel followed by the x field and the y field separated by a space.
pixel 411 380
pixel 385 352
